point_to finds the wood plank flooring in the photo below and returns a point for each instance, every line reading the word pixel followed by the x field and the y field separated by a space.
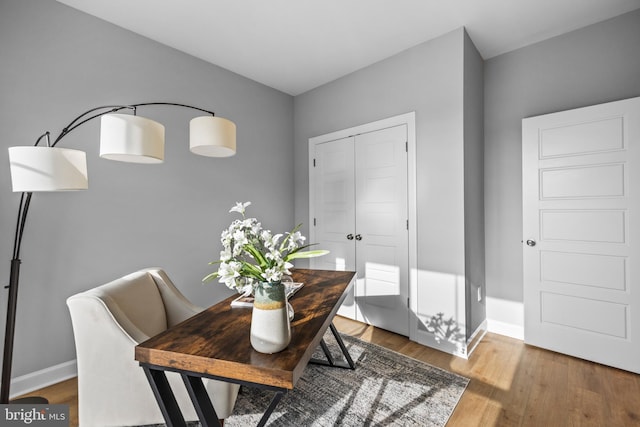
pixel 512 384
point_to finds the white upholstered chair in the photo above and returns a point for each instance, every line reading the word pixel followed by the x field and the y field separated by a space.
pixel 108 322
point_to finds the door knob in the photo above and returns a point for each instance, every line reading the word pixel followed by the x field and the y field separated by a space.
pixel 350 236
pixel 358 237
pixel 531 242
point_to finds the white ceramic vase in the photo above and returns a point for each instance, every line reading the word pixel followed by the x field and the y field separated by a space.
pixel 270 325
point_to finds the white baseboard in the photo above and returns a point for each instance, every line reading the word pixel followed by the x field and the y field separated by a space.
pixel 476 337
pixel 507 329
pixel 505 317
pixel 43 378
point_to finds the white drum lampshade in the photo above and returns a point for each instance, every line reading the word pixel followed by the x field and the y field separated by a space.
pixel 133 139
pixel 212 136
pixel 47 169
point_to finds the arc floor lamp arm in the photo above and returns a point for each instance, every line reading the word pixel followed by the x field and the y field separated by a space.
pixel 82 118
pixel 23 209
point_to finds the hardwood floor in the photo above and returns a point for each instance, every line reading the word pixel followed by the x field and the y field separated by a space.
pixel 512 384
pixel 65 392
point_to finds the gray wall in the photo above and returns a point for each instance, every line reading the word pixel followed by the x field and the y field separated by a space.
pixel 592 65
pixel 427 79
pixel 56 63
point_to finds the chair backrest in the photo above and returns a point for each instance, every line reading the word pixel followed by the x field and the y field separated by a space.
pixel 135 303
pixel 176 305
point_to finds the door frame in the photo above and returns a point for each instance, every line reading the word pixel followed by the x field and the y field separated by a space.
pixel 408 119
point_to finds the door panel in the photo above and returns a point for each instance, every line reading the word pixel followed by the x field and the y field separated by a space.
pixel 577 182
pixel 335 211
pixel 381 223
pixel 580 197
pixel 602 271
pixel 606 226
pixel 611 318
pixel 592 136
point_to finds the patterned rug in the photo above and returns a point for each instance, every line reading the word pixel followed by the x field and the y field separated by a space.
pixel 386 388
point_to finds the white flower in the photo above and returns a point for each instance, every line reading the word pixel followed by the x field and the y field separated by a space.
pixel 272 275
pixel 240 238
pixel 252 254
pixel 240 207
pixel 229 272
pixel 295 240
pixel 225 254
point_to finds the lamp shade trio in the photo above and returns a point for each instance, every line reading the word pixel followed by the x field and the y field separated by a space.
pixel 123 137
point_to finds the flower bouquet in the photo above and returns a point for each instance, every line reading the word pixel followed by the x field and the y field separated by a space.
pixel 253 255
pixel 255 261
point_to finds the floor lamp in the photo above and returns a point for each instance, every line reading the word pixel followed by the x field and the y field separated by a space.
pixel 123 137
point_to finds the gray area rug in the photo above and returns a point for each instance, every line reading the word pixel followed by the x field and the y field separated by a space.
pixel 385 389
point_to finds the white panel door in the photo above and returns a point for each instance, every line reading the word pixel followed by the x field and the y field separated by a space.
pixel 382 288
pixel 581 201
pixel 335 211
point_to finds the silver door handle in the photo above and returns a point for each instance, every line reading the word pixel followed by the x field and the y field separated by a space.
pixel 358 237
pixel 350 236
pixel 531 242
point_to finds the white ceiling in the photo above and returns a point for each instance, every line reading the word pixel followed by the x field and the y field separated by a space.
pixel 297 45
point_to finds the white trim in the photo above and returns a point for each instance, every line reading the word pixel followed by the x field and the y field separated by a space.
pixel 476 337
pixel 410 120
pixel 506 329
pixel 505 317
pixel 407 118
pixel 43 378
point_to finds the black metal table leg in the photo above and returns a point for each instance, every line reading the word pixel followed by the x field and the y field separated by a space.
pixel 201 401
pixel 199 397
pixel 272 406
pixel 330 360
pixel 345 352
pixel 165 397
pixel 327 353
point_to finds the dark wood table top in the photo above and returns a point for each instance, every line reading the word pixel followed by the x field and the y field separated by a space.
pixel 216 343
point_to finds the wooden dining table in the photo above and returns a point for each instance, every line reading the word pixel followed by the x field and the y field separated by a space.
pixel 215 344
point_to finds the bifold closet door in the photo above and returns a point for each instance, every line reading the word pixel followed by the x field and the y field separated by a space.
pixel 361 217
